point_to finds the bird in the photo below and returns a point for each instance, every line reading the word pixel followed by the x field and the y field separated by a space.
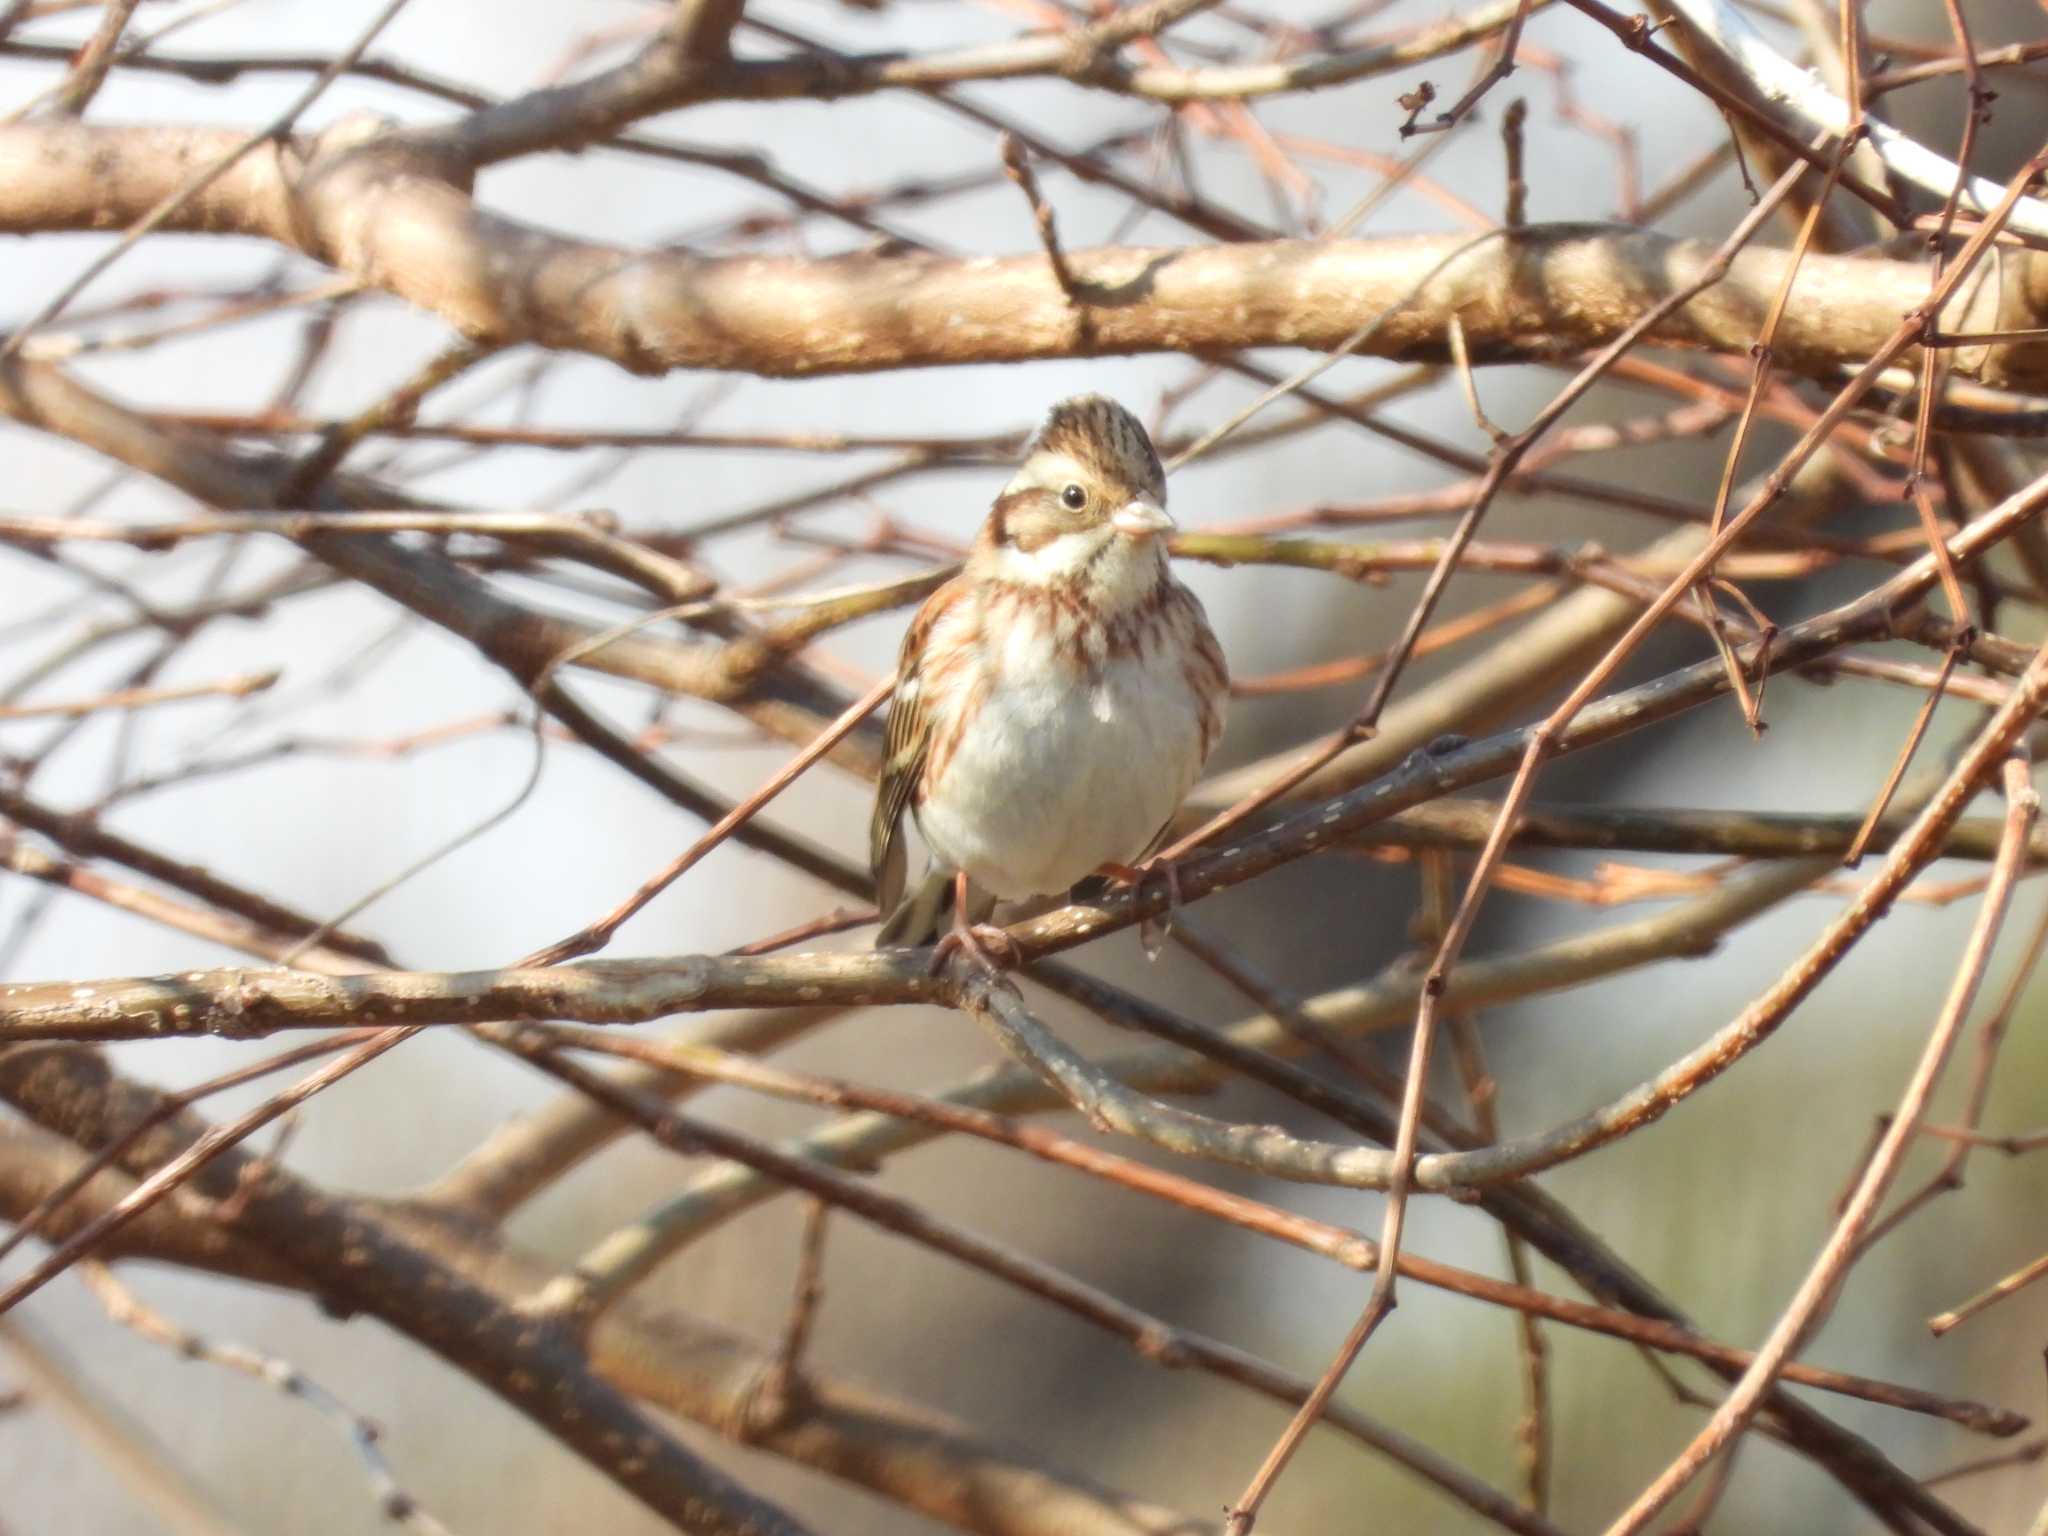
pixel 1054 701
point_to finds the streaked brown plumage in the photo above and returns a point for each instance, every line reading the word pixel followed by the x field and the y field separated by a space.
pixel 1055 700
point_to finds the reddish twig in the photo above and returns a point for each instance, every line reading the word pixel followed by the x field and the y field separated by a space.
pixel 1816 1293
pixel 596 935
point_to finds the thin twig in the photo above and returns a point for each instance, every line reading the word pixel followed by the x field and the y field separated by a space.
pixel 1498 68
pixel 1018 168
pixel 143 698
pixel 155 1482
pixel 1516 213
pixel 2017 1281
pixel 168 208
pixel 1823 1281
pixel 1902 760
pixel 393 1502
pixel 596 935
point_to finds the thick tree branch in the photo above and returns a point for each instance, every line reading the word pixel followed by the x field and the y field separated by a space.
pixel 677 1362
pixel 346 1250
pixel 398 219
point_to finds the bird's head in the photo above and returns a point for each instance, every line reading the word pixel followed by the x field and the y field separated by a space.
pixel 1087 502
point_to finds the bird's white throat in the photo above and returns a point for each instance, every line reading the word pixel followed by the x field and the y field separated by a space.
pixel 1119 572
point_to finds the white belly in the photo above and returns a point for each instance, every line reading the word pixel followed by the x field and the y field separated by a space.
pixel 1061 774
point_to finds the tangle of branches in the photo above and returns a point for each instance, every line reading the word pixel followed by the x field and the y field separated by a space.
pixel 308 382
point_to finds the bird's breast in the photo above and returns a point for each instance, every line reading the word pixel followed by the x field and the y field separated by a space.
pixel 1070 746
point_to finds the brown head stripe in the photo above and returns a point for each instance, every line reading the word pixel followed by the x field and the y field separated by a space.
pixel 1094 430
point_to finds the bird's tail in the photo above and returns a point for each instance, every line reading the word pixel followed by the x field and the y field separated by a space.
pixel 922 915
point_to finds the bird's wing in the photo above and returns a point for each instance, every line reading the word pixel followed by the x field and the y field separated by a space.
pixel 904 745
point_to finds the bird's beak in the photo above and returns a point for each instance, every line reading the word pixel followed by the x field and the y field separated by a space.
pixel 1141 519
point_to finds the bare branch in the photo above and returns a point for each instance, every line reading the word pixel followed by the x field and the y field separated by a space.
pixel 354 1256
pixel 125 1307
pixel 1823 1281
pixel 908 1453
pixel 360 201
pixel 1804 98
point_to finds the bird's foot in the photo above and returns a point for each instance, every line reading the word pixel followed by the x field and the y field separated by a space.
pixel 975 940
pixel 1152 935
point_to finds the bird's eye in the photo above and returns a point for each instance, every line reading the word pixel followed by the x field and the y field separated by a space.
pixel 1074 497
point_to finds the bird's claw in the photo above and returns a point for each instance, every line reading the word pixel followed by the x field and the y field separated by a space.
pixel 1152 936
pixel 974 940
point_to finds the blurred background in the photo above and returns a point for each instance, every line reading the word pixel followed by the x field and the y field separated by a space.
pixel 1723 1203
